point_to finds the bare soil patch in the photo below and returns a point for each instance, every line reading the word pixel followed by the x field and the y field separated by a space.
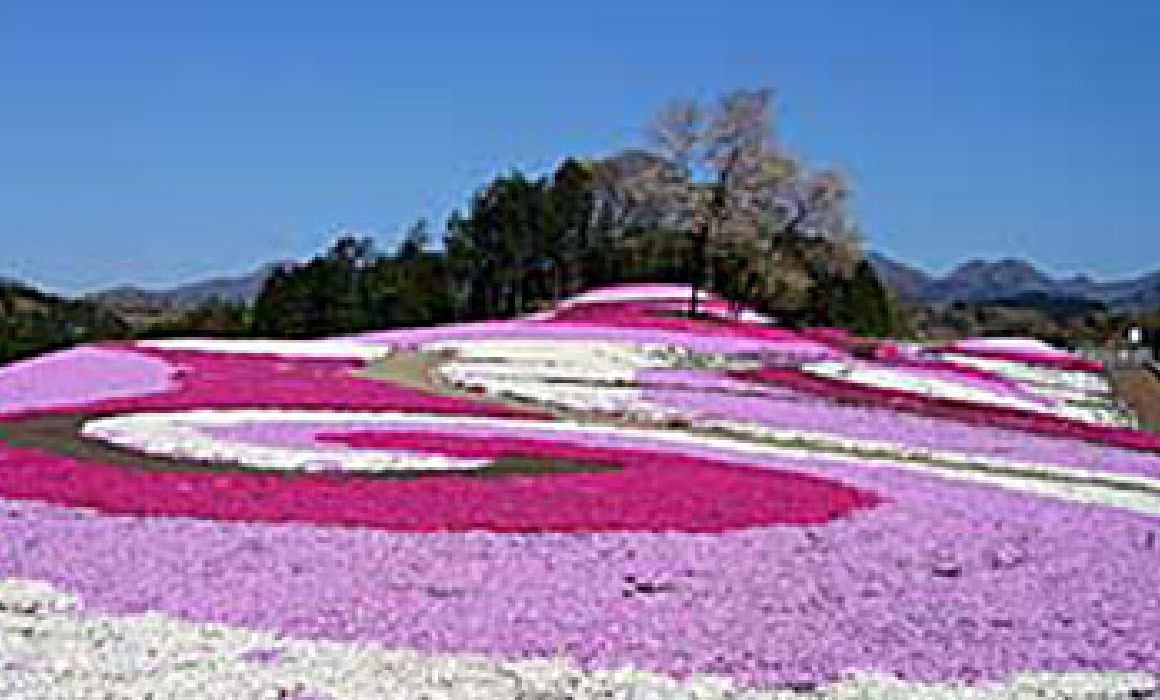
pixel 417 371
pixel 1140 389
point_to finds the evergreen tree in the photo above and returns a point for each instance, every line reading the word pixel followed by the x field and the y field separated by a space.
pixel 862 304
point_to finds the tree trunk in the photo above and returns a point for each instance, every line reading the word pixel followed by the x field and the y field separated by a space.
pixel 700 245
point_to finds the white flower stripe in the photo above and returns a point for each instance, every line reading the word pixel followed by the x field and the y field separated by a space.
pixel 1070 379
pixel 456 372
pixel 890 378
pixel 643 292
pixel 169 435
pixel 569 352
pixel 612 400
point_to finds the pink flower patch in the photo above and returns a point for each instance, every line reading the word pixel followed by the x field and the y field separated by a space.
pixel 1031 355
pixel 208 381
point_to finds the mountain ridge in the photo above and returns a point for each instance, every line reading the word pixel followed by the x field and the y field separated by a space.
pixel 233 289
pixel 982 281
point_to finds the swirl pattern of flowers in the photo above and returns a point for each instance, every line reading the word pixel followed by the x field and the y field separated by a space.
pixel 612 488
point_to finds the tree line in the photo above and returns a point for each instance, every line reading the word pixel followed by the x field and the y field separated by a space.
pixel 712 201
pixel 33 322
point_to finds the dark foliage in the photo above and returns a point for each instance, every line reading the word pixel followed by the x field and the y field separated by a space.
pixel 525 243
pixel 33 322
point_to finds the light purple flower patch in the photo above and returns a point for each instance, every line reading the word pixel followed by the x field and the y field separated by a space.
pixel 790 410
pixel 81 375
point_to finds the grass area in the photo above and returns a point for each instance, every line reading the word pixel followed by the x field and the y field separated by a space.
pixel 416 370
pixel 60 434
pixel 409 369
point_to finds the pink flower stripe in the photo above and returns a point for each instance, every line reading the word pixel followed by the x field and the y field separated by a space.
pixel 1064 361
pixel 596 310
pixel 653 492
pixel 697 341
pixel 782 408
pixel 648 315
pixel 965 411
pixel 970 376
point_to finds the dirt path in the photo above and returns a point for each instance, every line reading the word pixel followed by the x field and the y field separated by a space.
pixel 1140 388
pixel 417 371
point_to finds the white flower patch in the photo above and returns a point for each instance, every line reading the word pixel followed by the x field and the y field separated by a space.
pixel 176 435
pixel 563 352
pixel 55 653
pixel 1015 344
pixel 27 597
pixel 322 349
pixel 575 376
pixel 1127 491
pixel 462 372
pixel 937 387
pixel 612 400
pixel 750 316
pixel 638 292
pixel 588 377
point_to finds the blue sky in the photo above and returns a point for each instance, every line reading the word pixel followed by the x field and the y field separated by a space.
pixel 155 142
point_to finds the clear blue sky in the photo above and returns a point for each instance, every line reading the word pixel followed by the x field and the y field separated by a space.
pixel 153 142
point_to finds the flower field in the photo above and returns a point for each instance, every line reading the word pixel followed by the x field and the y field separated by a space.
pixel 602 501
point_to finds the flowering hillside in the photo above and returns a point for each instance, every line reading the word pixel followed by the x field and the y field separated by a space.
pixel 606 500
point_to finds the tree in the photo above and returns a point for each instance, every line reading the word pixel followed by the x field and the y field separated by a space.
pixel 214 317
pixel 754 217
pixel 572 206
pixel 717 176
pixel 33 322
pixel 863 304
pixel 505 244
pixel 415 242
pixel 327 295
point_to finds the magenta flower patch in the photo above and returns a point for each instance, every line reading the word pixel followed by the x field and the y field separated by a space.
pixel 651 491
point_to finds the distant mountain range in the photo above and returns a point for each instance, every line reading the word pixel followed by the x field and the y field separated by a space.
pixel 976 281
pixel 244 288
pixel 1012 279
